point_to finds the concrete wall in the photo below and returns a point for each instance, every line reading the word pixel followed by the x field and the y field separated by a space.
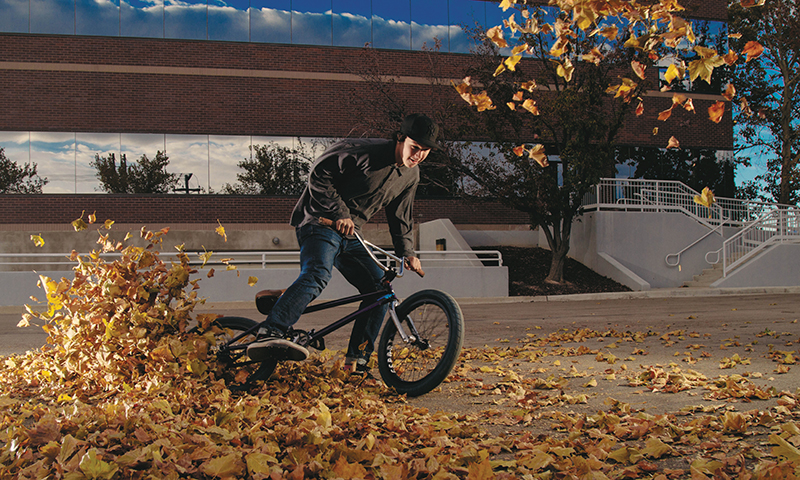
pixel 461 279
pixel 640 242
pixel 777 266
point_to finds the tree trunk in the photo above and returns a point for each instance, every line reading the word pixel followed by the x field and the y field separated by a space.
pixel 559 247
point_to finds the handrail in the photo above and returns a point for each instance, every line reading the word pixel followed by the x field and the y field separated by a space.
pixel 678 255
pixel 616 193
pixel 777 226
pixel 262 259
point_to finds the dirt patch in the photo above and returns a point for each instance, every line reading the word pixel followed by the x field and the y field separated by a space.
pixel 528 267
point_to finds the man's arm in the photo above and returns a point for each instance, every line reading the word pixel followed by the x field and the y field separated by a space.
pixel 401 222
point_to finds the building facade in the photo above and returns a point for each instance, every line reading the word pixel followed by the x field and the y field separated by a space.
pixel 204 80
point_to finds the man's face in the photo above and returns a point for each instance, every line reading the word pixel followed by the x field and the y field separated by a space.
pixel 411 153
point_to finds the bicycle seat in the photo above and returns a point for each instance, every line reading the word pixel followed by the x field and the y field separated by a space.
pixel 265 300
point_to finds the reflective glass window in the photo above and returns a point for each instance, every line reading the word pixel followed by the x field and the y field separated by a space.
pixel 87 147
pixel 97 17
pixel 53 16
pixel 465 17
pixel 186 19
pixel 188 154
pixel 54 156
pixel 391 24
pixel 229 20
pixel 142 18
pixel 352 23
pixel 312 22
pixel 271 21
pixel 16 146
pixel 134 145
pixel 429 24
pixel 15 16
pixel 225 153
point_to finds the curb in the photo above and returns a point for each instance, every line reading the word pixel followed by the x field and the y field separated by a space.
pixel 656 293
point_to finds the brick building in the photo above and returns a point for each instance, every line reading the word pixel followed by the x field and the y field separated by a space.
pixel 205 80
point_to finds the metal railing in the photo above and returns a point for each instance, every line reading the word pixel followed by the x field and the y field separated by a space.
pixel 266 259
pixel 632 194
pixel 761 224
pixel 777 226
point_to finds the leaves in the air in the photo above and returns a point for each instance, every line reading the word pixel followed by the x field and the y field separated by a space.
pixel 706 198
pixel 716 111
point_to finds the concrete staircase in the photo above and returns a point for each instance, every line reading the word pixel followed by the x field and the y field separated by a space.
pixel 705 279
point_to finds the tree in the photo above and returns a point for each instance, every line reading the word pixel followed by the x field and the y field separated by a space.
pixel 697 168
pixel 577 47
pixel 16 179
pixel 146 176
pixel 274 170
pixel 769 117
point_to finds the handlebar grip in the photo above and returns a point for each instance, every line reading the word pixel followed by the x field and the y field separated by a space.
pixel 421 273
pixel 325 222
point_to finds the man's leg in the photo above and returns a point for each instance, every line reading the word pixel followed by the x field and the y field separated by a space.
pixel 358 268
pixel 319 247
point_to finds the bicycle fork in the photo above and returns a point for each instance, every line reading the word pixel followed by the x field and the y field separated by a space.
pixel 405 336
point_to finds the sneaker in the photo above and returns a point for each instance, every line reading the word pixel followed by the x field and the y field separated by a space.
pixel 276 346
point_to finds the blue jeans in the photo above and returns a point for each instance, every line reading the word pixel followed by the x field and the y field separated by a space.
pixel 322 248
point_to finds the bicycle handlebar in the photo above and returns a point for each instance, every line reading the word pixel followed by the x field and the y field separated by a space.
pixel 369 247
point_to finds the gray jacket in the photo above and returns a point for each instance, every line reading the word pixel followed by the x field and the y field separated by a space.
pixel 354 179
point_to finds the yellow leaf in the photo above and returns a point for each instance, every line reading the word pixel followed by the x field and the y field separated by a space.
pixel 92 218
pixel 530 106
pixel 227 466
pixel 706 198
pixel 258 463
pixel 673 143
pixel 704 67
pixel 37 240
pixel 753 50
pixel 591 383
pixel 565 70
pixel 538 155
pixel 638 69
pixel 784 449
pixel 495 34
pixel 79 224
pixel 251 281
pixel 673 72
pixel 511 62
pixel 221 231
pixel 107 224
pixel 344 469
pixel 716 111
pixel 655 448
pixel 480 471
pixel 324 416
pixel 506 4
pixel 95 468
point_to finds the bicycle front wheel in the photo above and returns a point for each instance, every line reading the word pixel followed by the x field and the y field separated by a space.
pixel 239 372
pixel 435 321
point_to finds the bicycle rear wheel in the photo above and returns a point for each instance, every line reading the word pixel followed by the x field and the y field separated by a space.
pixel 239 372
pixel 415 368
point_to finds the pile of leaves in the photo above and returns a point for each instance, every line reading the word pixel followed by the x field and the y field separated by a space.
pixel 124 389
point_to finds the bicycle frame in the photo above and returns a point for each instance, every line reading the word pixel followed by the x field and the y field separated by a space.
pixel 379 298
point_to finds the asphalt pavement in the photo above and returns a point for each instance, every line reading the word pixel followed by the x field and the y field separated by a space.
pixel 719 313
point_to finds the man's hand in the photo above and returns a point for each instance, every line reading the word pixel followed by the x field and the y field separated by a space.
pixel 413 264
pixel 345 226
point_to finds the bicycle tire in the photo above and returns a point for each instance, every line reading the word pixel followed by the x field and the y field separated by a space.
pixel 417 368
pixel 238 371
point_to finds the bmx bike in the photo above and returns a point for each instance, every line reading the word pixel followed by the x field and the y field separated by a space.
pixel 419 342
